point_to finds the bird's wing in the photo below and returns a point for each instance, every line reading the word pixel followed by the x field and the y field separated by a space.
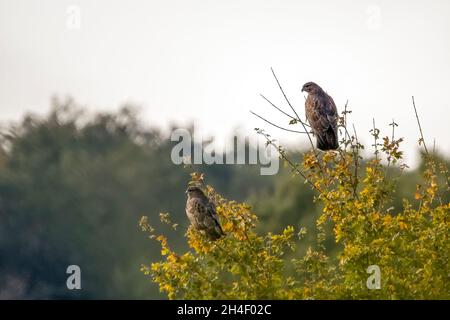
pixel 213 218
pixel 316 115
pixel 326 112
pixel 321 113
pixel 198 211
pixel 331 111
pixel 332 106
pixel 205 214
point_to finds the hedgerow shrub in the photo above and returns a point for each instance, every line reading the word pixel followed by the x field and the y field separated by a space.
pixel 410 245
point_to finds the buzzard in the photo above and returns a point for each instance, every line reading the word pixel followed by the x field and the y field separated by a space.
pixel 201 212
pixel 322 115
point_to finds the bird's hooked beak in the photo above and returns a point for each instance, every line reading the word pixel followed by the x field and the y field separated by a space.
pixel 303 88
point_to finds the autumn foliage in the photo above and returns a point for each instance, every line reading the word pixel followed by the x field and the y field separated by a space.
pixel 410 245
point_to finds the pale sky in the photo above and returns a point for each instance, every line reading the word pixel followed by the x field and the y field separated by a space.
pixel 207 61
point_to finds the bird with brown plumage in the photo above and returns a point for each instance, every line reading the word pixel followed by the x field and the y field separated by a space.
pixel 321 113
pixel 202 214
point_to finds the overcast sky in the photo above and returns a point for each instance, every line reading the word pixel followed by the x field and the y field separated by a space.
pixel 208 60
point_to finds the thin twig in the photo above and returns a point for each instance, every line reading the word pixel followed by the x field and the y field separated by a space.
pixel 356 158
pixel 346 133
pixel 285 97
pixel 296 114
pixel 291 164
pixel 393 130
pixel 300 120
pixel 273 105
pixel 345 124
pixel 345 127
pixel 420 127
pixel 354 147
pixel 375 138
pixel 434 146
pixel 275 125
pixel 392 141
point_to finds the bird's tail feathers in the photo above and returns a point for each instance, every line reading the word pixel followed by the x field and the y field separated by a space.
pixel 216 232
pixel 328 140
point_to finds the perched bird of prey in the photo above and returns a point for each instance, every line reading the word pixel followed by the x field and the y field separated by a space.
pixel 322 115
pixel 202 213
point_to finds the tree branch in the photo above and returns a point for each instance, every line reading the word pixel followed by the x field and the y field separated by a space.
pixel 420 127
pixel 273 105
pixel 277 126
pixel 296 114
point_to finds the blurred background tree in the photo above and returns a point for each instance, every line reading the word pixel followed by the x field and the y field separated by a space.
pixel 73 186
pixel 407 247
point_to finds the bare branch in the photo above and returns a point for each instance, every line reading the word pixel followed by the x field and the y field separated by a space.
pixel 375 138
pixel 356 135
pixel 285 97
pixel 300 120
pixel 345 126
pixel 282 154
pixel 277 126
pixel 434 146
pixel 296 114
pixel 273 105
pixel 420 127
pixel 356 159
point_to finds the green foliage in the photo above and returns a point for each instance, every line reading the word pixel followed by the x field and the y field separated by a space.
pixel 410 243
pixel 241 266
pixel 72 186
